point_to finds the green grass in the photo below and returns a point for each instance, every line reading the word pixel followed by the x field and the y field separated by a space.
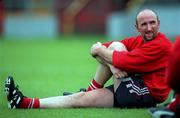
pixel 44 68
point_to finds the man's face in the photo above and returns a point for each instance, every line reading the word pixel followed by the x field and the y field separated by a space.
pixel 147 25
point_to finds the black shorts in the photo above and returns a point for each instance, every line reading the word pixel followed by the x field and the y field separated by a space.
pixel 132 93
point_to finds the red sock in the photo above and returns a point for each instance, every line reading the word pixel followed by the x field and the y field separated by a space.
pixel 30 103
pixel 172 106
pixel 94 85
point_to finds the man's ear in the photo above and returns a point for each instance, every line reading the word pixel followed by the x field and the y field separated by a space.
pixel 136 26
pixel 158 24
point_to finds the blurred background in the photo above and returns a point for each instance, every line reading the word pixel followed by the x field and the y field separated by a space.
pixel 111 18
pixel 45 44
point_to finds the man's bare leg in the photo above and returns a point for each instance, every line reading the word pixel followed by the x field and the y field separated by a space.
pixel 105 70
pixel 119 47
pixel 96 98
pixel 103 74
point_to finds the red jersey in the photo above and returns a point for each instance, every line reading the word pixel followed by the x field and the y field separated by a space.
pixel 149 59
pixel 173 74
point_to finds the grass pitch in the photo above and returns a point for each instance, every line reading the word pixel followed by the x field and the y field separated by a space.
pixel 44 68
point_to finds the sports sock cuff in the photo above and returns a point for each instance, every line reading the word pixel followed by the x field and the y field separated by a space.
pixel 30 103
pixel 95 84
pixel 36 103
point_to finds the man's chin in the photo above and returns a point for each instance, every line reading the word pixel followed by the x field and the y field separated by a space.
pixel 148 38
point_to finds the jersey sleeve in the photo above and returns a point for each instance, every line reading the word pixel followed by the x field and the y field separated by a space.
pixel 149 57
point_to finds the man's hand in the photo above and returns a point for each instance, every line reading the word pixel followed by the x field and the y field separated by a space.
pixel 117 73
pixel 95 47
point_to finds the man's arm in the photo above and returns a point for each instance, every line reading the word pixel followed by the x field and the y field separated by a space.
pixel 102 53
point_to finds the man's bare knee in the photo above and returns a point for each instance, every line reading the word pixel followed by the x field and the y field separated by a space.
pixel 117 46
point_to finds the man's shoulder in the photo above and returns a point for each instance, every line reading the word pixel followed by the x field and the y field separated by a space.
pixel 162 36
pixel 161 43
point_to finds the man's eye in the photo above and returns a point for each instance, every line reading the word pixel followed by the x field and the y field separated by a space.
pixel 143 24
pixel 152 22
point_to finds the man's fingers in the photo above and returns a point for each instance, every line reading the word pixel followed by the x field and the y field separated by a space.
pixel 117 75
pixel 124 74
pixel 120 74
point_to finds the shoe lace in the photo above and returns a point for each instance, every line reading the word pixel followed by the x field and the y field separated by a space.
pixel 18 91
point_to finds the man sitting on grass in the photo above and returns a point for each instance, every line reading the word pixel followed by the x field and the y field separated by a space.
pixel 137 64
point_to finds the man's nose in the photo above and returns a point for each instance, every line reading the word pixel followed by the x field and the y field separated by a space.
pixel 149 27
